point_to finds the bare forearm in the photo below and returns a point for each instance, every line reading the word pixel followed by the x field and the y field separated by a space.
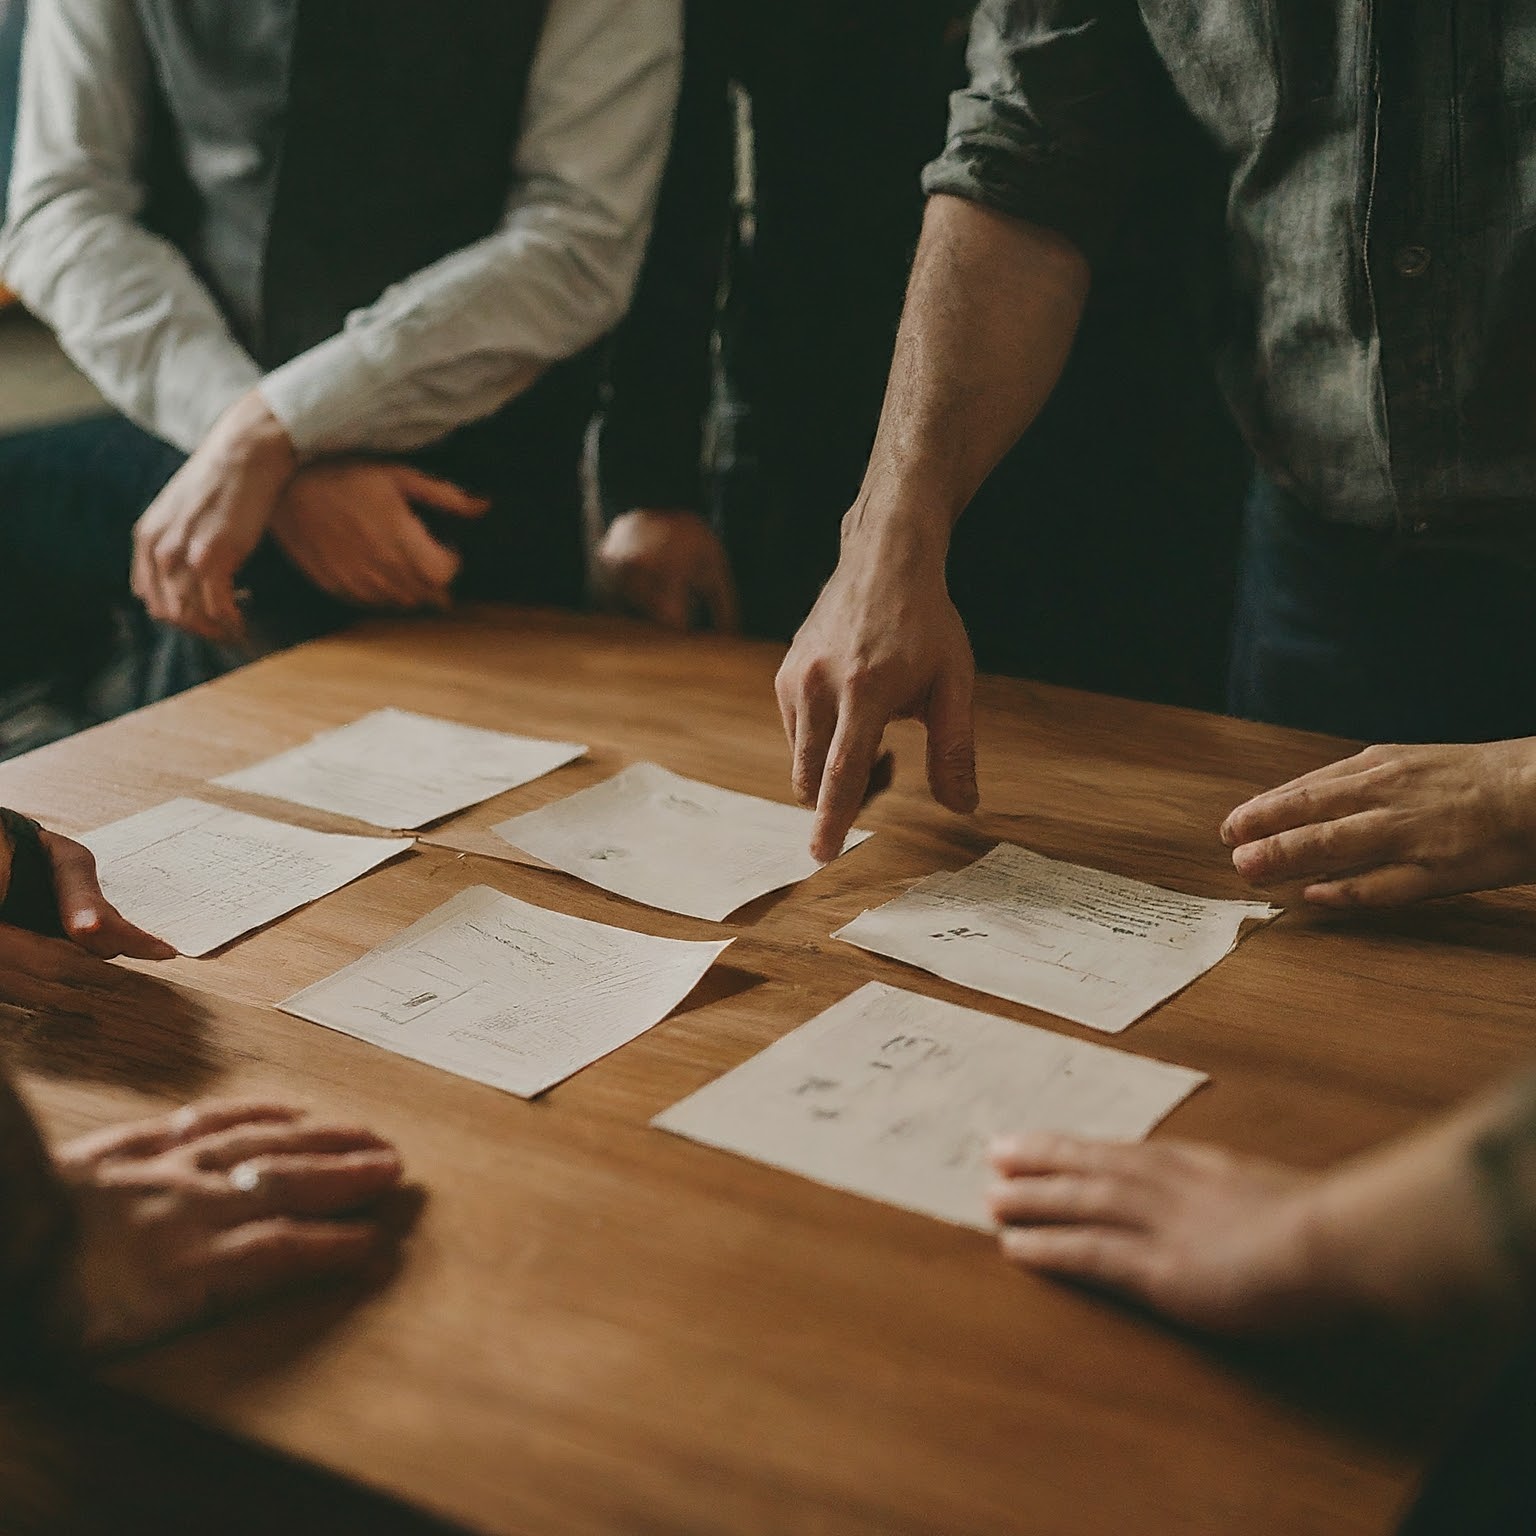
pixel 1442 1224
pixel 991 314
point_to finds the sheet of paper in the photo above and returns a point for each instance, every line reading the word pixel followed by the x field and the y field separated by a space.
pixel 672 842
pixel 199 876
pixel 505 993
pixel 1095 948
pixel 895 1096
pixel 399 770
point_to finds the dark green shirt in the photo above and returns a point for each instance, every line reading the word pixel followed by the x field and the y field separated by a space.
pixel 1357 181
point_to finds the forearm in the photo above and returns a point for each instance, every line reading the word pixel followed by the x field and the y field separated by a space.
pixel 459 339
pixel 1440 1226
pixel 991 314
pixel 125 304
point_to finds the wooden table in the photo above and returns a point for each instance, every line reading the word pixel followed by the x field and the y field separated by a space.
pixel 600 1328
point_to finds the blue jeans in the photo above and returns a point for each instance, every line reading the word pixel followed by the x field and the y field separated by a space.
pixel 1364 634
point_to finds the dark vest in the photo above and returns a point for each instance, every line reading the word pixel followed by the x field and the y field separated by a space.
pixel 306 154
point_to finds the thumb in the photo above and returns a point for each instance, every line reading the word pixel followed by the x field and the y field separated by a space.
pixel 952 742
pixel 440 495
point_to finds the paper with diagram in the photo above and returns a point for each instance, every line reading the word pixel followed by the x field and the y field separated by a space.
pixel 401 770
pixel 509 994
pixel 672 842
pixel 896 1096
pixel 199 876
pixel 1095 948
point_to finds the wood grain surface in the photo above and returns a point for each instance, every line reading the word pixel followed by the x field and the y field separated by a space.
pixel 598 1328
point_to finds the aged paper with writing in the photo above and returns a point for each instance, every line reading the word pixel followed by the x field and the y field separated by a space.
pixel 895 1096
pixel 506 993
pixel 198 875
pixel 672 842
pixel 396 769
pixel 1095 948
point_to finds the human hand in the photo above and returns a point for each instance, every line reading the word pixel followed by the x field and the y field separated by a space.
pixel 349 526
pixel 206 523
pixel 883 642
pixel 1207 1239
pixel 1393 825
pixel 85 915
pixel 187 1216
pixel 662 564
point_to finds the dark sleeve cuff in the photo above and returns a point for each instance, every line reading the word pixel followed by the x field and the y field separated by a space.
pixel 30 901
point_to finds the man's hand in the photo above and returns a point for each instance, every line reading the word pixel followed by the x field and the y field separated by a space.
pixel 350 528
pixel 665 564
pixel 189 1215
pixel 190 544
pixel 884 642
pixel 1393 825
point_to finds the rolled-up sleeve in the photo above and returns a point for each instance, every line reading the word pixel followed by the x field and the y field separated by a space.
pixel 459 339
pixel 1053 126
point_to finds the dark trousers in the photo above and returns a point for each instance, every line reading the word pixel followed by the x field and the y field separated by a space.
pixel 1368 635
pixel 1485 1484
pixel 70 495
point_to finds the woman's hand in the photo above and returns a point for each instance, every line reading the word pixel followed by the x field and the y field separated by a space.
pixel 1207 1239
pixel 187 1216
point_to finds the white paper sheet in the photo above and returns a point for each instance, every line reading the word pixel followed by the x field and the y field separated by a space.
pixel 198 875
pixel 1092 947
pixel 672 842
pixel 506 993
pixel 896 1096
pixel 400 770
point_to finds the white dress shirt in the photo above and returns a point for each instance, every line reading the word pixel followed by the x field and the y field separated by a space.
pixel 448 346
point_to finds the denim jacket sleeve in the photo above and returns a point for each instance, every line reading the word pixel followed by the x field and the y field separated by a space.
pixel 1054 124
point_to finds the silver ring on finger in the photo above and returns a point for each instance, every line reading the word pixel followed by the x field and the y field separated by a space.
pixel 246 1178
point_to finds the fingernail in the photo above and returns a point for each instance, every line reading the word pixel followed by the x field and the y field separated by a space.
pixel 87 921
pixel 184 1119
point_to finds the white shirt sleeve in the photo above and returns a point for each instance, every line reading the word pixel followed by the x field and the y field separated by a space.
pixel 459 339
pixel 125 305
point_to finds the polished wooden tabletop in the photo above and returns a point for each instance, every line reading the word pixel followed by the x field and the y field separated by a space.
pixel 599 1328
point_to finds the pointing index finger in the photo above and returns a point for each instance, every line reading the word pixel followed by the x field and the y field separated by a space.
pixel 845 780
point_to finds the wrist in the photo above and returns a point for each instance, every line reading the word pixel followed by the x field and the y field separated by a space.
pixel 901 534
pixel 250 434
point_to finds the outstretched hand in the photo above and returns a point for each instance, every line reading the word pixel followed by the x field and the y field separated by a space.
pixel 1393 825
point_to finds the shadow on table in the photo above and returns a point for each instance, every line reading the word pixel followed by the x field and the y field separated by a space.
pixel 81 1459
pixel 719 983
pixel 83 1019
